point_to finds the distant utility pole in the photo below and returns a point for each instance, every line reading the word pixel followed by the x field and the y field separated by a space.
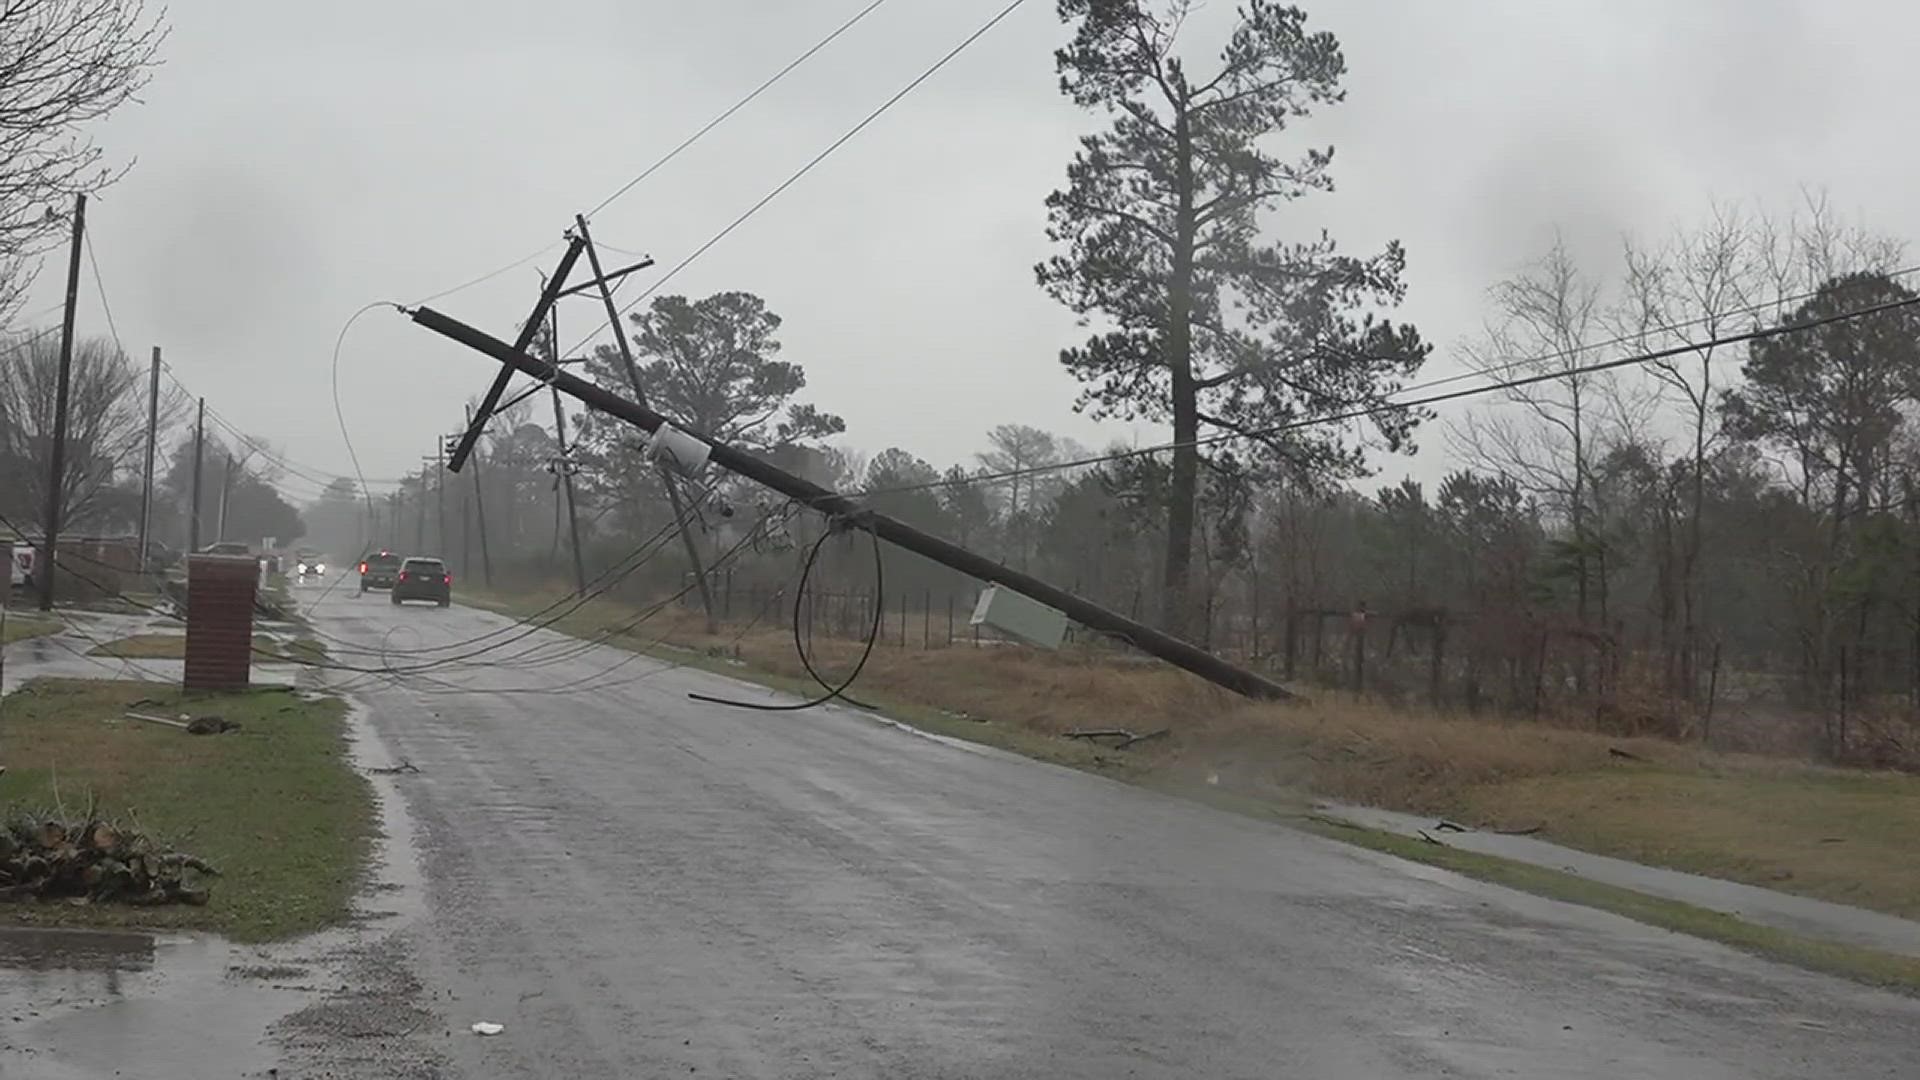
pixel 480 510
pixel 226 489
pixel 466 536
pixel 640 396
pixel 439 462
pixel 199 445
pixel 146 476
pixel 57 472
pixel 565 467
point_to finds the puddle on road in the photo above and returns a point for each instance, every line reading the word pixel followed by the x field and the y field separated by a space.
pixel 85 1004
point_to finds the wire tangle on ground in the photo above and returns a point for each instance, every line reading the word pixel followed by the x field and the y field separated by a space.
pixel 832 690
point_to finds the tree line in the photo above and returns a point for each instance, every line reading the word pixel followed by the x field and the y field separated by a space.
pixel 1725 524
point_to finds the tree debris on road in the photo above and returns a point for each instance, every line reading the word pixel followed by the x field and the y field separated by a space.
pixel 93 861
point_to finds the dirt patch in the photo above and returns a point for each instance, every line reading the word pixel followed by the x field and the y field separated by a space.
pixel 267 972
pixel 372 1025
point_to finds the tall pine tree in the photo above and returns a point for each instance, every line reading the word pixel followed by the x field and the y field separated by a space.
pixel 1204 324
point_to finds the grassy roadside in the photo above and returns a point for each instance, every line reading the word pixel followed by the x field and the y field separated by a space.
pixel 274 805
pixel 22 627
pixel 174 647
pixel 1869 966
pixel 1840 835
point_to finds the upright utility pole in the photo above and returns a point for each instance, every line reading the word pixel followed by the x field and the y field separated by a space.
pixel 466 537
pixel 226 489
pixel 146 475
pixel 57 472
pixel 199 445
pixel 480 511
pixel 640 397
pixel 439 462
pixel 565 466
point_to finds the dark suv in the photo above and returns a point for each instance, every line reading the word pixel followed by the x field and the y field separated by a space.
pixel 379 571
pixel 424 579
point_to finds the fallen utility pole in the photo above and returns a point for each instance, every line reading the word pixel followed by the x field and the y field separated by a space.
pixel 548 294
pixel 674 502
pixel 1165 646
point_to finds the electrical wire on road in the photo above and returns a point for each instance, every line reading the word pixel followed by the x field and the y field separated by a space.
pixel 597 682
pixel 833 690
pixel 525 626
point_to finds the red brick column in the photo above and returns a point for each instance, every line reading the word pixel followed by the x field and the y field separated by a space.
pixel 220 594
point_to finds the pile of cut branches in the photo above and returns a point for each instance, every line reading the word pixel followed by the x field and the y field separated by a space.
pixel 44 857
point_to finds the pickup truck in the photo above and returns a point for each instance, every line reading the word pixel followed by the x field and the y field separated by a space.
pixel 379 571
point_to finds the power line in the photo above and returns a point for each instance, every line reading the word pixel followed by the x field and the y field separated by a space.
pixel 100 287
pixel 673 153
pixel 817 159
pixel 1361 410
pixel 489 275
pixel 1641 335
pixel 737 106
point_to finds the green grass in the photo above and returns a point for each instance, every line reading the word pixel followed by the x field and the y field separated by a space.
pixel 275 805
pixel 174 647
pixel 1848 961
pixel 22 627
pixel 1833 835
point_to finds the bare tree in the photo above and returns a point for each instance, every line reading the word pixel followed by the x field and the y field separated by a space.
pixel 63 64
pixel 1016 448
pixel 1549 320
pixel 106 427
pixel 1702 284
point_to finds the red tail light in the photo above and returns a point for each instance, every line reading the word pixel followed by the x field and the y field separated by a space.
pixel 447 580
pixel 403 575
pixel 363 568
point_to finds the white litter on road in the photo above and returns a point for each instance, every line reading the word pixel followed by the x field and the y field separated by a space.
pixel 487 1027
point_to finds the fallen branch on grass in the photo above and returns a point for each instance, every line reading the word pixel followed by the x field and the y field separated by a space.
pixel 1127 738
pixel 43 857
pixel 199 725
pixel 405 766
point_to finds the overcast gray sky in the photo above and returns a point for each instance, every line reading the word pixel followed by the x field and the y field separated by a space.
pixel 298 161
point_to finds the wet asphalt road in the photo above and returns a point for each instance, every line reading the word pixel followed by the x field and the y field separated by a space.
pixel 639 885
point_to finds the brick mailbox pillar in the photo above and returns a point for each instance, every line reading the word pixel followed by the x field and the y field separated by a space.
pixel 220 595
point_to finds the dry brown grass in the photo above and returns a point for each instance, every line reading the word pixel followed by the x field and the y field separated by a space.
pixel 1826 832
